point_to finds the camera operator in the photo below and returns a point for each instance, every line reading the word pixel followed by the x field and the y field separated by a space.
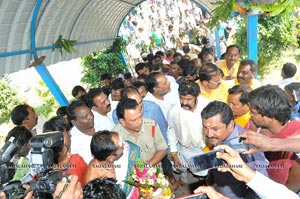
pixel 65 161
pixel 67 188
pixel 22 136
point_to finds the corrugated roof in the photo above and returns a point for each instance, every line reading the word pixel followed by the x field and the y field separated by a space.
pixel 93 23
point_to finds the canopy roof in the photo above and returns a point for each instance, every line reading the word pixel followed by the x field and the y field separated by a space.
pixel 30 27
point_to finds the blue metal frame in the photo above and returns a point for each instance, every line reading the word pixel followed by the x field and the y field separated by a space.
pixel 252 37
pixel 42 69
pixel 218 46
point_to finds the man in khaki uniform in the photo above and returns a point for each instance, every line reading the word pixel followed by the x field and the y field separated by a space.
pixel 142 132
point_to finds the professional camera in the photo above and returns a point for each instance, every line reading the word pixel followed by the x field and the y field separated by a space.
pixel 42 163
pixel 44 182
pixel 7 169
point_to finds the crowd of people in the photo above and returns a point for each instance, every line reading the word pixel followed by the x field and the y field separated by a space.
pixel 181 102
pixel 168 114
pixel 170 24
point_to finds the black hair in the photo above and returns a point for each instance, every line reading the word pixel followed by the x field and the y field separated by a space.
pixel 151 81
pixel 251 63
pixel 160 53
pixel 204 53
pixel 74 104
pixel 117 84
pixel 125 103
pixel 102 145
pixel 217 107
pixel 189 88
pixel 184 63
pixel 93 92
pixel 233 46
pixel 243 90
pixel 271 101
pixel 103 189
pixel 295 86
pixel 139 84
pixel 186 49
pixel 76 90
pixel 106 90
pixel 189 70
pixel 61 111
pixel 127 76
pixel 140 66
pixel 19 114
pixel 141 76
pixel 105 76
pixel 207 71
pixel 289 70
pixel 177 54
pixel 56 124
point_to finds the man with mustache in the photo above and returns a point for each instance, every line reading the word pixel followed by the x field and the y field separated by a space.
pixel 184 130
pixel 230 64
pixel 83 129
pixel 25 115
pixel 219 127
pixel 246 74
pixel 141 131
pixel 211 84
pixel 97 100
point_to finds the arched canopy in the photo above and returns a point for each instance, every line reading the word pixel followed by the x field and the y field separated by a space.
pixel 30 27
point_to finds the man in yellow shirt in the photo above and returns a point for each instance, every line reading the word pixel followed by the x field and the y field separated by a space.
pixel 211 84
pixel 238 102
pixel 230 64
pixel 246 74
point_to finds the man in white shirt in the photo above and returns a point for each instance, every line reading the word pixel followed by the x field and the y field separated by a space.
pixel 100 105
pixel 185 136
pixel 160 91
pixel 83 129
pixel 288 72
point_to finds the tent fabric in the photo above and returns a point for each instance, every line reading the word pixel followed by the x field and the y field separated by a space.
pixel 93 23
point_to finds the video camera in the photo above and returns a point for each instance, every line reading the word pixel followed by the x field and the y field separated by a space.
pixel 44 182
pixel 42 157
pixel 7 169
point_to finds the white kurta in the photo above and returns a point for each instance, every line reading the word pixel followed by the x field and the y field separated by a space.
pixel 102 122
pixel 80 143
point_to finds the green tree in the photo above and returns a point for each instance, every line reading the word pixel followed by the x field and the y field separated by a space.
pixel 275 35
pixel 49 105
pixel 8 100
pixel 104 61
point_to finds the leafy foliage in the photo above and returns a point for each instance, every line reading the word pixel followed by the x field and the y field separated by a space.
pixel 222 11
pixel 275 35
pixel 65 44
pixel 49 106
pixel 104 61
pixel 8 100
pixel 284 7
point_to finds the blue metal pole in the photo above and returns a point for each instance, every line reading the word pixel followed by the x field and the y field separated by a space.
pixel 218 46
pixel 252 37
pixel 21 52
pixel 42 69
